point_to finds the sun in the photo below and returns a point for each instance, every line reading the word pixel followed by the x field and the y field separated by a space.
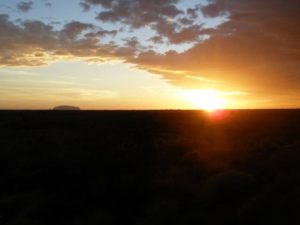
pixel 209 100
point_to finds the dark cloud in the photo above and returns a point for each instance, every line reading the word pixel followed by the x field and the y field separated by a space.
pixel 193 12
pixel 157 39
pixel 137 13
pixel 159 15
pixel 48 4
pixel 215 8
pixel 35 43
pixel 132 42
pixel 85 6
pixel 185 21
pixel 185 35
pixel 73 29
pixel 25 6
pixel 101 33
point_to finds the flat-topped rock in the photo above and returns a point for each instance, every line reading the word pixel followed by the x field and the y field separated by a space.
pixel 66 107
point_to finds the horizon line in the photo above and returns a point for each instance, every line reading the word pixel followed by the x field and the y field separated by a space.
pixel 229 109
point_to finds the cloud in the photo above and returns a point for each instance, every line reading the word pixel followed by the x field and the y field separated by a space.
pixel 73 29
pixel 194 12
pixel 48 4
pixel 162 16
pixel 136 13
pixel 101 33
pixel 34 43
pixel 257 49
pixel 25 6
pixel 85 6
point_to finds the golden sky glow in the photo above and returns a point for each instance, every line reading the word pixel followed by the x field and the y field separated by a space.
pixel 209 100
pixel 171 54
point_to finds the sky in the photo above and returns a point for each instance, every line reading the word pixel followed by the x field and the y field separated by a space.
pixel 149 54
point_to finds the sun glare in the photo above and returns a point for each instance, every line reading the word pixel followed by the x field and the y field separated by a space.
pixel 209 100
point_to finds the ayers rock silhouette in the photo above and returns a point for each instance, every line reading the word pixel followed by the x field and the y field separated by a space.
pixel 66 107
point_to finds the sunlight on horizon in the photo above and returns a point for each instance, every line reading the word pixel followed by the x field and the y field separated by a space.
pixel 207 99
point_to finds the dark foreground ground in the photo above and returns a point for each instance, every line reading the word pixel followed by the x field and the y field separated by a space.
pixel 150 168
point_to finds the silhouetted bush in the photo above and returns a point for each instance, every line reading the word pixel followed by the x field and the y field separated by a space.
pixel 230 187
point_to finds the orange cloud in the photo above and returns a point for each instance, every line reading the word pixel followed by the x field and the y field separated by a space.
pixel 257 49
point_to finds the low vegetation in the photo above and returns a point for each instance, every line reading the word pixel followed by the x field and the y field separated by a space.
pixel 149 167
